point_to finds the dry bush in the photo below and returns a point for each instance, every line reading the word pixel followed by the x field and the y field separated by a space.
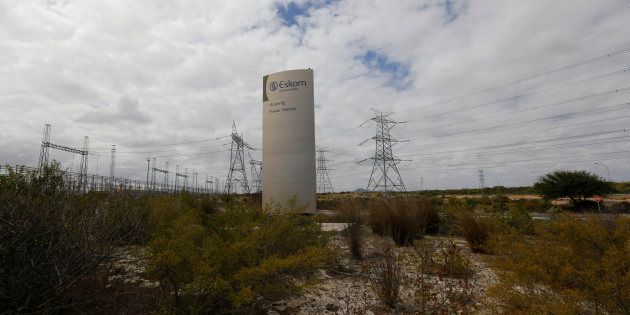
pixel 405 219
pixel 350 213
pixel 450 292
pixel 384 275
pixel 54 241
pixel 476 230
pixel 572 266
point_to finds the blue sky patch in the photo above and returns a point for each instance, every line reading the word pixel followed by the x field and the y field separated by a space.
pixel 290 12
pixel 453 9
pixel 397 71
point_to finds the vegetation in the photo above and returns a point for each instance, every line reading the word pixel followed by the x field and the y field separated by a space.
pixel 573 266
pixel 54 242
pixel 405 219
pixel 575 185
pixel 476 230
pixel 60 250
pixel 231 259
pixel 351 214
pixel 384 275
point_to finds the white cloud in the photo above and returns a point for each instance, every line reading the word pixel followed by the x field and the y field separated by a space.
pixel 174 71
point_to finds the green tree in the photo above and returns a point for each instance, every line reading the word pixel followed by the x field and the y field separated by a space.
pixel 575 185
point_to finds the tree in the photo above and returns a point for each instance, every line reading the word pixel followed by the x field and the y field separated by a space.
pixel 575 185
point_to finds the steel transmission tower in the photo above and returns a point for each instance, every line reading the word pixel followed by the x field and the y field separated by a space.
pixel 237 174
pixel 385 176
pixel 83 168
pixel 323 180
pixel 482 181
pixel 44 155
pixel 256 170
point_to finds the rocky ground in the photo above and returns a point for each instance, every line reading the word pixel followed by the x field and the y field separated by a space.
pixel 344 289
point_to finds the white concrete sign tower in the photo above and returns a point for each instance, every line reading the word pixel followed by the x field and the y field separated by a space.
pixel 289 139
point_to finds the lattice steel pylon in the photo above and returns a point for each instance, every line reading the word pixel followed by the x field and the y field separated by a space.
pixel 385 176
pixel 83 168
pixel 44 155
pixel 237 173
pixel 482 180
pixel 256 171
pixel 324 185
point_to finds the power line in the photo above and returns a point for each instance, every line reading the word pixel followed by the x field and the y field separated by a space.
pixel 523 79
pixel 528 93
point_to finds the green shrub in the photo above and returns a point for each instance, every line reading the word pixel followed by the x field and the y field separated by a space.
pixel 499 204
pixel 518 220
pixel 572 266
pixel 231 258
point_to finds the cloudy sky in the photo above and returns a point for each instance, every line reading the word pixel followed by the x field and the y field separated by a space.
pixel 516 88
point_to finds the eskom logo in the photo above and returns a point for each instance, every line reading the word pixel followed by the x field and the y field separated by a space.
pixel 286 84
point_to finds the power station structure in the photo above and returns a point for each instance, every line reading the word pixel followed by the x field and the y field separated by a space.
pixel 385 176
pixel 324 185
pixel 237 176
pixel 44 155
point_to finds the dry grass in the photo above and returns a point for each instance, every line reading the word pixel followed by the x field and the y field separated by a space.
pixel 405 219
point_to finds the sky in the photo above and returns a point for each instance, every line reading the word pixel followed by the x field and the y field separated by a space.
pixel 513 88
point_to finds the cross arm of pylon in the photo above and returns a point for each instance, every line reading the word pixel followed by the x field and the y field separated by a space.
pixel 67 149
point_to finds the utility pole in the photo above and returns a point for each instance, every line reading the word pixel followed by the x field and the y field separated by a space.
pixel 482 182
pixel 237 163
pixel 324 184
pixel 385 176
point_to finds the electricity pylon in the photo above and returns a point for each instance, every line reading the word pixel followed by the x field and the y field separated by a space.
pixel 385 176
pixel 323 180
pixel 237 174
pixel 44 155
pixel 256 170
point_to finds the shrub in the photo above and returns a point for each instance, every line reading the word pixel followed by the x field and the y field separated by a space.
pixel 52 240
pixel 476 230
pixel 232 258
pixel 351 214
pixel 450 292
pixel 620 207
pixel 573 266
pixel 518 220
pixel 499 204
pixel 405 219
pixel 384 275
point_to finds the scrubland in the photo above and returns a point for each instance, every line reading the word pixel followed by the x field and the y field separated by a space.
pixel 121 252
